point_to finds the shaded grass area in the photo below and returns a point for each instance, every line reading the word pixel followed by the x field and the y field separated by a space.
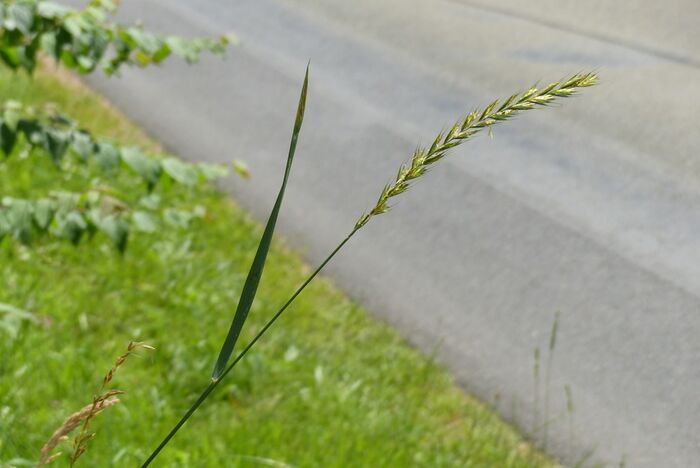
pixel 329 386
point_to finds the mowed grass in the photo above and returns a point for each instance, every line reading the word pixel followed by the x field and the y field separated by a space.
pixel 328 386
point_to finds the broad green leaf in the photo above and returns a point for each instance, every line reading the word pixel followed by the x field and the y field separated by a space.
pixel 212 171
pixel 256 269
pixel 184 173
pixel 32 132
pixel 146 41
pixel 65 201
pixel 85 64
pixel 44 210
pixel 107 156
pixel 52 10
pixel 116 229
pixel 19 16
pixel 72 226
pixel 83 145
pixel 143 222
pixel 182 47
pixel 74 24
pixel 150 201
pixel 143 165
pixel 49 44
pixel 12 114
pixel 27 57
pixel 19 217
pixel 177 218
pixel 56 143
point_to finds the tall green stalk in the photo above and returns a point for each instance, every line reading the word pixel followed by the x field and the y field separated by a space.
pixel 418 165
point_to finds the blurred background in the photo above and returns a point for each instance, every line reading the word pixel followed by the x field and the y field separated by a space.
pixel 590 209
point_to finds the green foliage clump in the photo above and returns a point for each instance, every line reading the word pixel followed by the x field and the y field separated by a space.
pixel 27 133
pixel 84 40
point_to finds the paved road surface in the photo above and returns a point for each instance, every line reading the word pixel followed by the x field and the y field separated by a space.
pixel 591 209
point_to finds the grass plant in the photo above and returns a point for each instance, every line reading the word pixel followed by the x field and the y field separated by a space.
pixel 332 387
pixel 418 166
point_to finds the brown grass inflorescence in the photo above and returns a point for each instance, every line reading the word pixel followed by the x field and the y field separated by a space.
pixel 83 417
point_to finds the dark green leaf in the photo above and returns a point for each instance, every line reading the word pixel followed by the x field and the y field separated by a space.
pixel 72 226
pixel 143 165
pixel 116 229
pixel 27 54
pixel 107 156
pixel 8 138
pixel 56 143
pixel 256 269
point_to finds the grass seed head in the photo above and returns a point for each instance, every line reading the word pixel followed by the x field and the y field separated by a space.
pixel 86 414
pixel 469 126
pixel 73 421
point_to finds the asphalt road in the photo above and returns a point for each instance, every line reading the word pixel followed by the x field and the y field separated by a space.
pixel 591 208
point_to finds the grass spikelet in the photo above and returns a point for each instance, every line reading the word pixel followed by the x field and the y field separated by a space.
pixel 470 126
pixel 105 399
pixel 131 347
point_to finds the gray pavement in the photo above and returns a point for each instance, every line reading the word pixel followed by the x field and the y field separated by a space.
pixel 591 208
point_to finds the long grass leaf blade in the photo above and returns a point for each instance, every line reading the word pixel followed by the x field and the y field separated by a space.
pixel 256 269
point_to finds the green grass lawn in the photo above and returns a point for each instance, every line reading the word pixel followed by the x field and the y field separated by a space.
pixel 329 385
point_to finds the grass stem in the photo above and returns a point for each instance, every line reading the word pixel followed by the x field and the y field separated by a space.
pixel 213 384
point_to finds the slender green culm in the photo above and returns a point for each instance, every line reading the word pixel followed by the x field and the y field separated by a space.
pixel 548 377
pixel 422 158
pixel 570 415
pixel 250 287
